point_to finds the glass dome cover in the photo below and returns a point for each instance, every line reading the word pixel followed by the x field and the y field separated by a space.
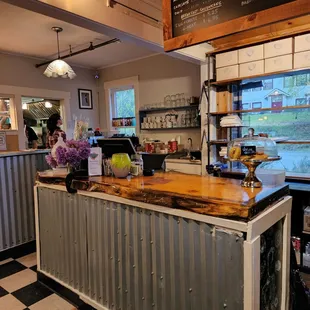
pixel 252 148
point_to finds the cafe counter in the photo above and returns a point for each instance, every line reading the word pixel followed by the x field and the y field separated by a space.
pixel 167 242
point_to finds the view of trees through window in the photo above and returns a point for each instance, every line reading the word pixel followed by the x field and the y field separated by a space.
pixel 123 102
pixel 284 125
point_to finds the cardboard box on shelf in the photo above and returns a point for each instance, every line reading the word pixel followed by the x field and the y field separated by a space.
pixel 223 100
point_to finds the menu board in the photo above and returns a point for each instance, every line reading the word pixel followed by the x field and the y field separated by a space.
pixel 190 15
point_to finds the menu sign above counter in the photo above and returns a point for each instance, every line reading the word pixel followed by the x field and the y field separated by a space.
pixel 189 15
pixel 228 24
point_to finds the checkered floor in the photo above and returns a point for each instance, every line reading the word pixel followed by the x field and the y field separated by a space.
pixel 20 290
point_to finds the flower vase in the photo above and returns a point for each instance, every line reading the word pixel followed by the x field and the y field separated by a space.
pixel 120 165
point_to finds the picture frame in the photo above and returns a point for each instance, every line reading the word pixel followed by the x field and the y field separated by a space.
pixel 85 99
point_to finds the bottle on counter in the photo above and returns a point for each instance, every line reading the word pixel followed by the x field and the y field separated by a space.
pixel 136 165
pixel 107 169
pixel 140 162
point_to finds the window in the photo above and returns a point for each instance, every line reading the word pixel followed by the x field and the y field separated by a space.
pixel 123 106
pixel 268 84
pixel 291 125
pixel 257 89
pixel 123 102
pixel 289 81
pixel 257 105
pixel 301 101
pixel 246 106
pixel 301 80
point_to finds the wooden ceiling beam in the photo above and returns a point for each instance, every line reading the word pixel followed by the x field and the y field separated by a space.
pixel 274 31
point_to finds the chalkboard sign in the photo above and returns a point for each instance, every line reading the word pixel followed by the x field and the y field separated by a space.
pixel 248 150
pixel 190 15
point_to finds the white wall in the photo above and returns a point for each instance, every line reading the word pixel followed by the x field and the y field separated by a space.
pixel 20 71
pixel 159 76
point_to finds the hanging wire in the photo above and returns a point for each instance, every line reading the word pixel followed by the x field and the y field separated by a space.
pixel 57 31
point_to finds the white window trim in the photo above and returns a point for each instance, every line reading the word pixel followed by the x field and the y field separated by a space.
pixel 121 83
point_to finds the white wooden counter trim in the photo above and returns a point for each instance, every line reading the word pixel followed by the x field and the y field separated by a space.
pixel 269 217
pixel 286 261
pixel 251 274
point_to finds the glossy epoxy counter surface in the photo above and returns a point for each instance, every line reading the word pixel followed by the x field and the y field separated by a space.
pixel 205 195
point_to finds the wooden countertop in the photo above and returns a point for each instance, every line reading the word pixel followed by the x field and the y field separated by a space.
pixel 205 195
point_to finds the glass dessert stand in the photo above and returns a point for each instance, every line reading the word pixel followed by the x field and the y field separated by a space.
pixel 251 180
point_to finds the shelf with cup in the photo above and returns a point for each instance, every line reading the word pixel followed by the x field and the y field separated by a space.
pixel 171 128
pixel 166 109
pixel 170 118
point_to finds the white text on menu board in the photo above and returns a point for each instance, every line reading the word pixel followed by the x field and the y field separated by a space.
pixel 246 2
pixel 210 13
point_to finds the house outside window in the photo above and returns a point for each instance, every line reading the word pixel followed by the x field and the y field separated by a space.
pixel 289 125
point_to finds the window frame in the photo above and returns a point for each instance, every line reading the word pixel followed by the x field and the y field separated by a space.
pixel 292 81
pixel 120 84
pixel 270 82
pixel 257 102
pixel 113 104
pixel 298 80
pixel 249 105
pixel 297 104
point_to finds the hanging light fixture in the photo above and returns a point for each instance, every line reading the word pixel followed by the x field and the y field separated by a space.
pixel 48 104
pixel 25 106
pixel 58 67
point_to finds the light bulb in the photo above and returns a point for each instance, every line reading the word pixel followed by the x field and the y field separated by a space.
pixel 25 106
pixel 48 104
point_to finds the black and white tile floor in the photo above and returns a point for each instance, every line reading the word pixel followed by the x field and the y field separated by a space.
pixel 20 290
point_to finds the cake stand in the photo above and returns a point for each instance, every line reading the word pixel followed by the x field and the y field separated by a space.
pixel 251 180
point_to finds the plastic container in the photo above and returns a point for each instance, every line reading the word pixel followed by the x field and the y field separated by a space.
pixel 271 177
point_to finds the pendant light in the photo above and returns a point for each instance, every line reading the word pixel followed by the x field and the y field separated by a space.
pixel 59 68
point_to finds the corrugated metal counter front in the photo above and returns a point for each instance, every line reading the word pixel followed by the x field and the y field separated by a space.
pixel 17 177
pixel 121 254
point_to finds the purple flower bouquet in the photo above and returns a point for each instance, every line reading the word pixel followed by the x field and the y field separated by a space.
pixel 71 156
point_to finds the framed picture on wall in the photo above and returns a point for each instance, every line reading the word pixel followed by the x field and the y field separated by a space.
pixel 85 98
